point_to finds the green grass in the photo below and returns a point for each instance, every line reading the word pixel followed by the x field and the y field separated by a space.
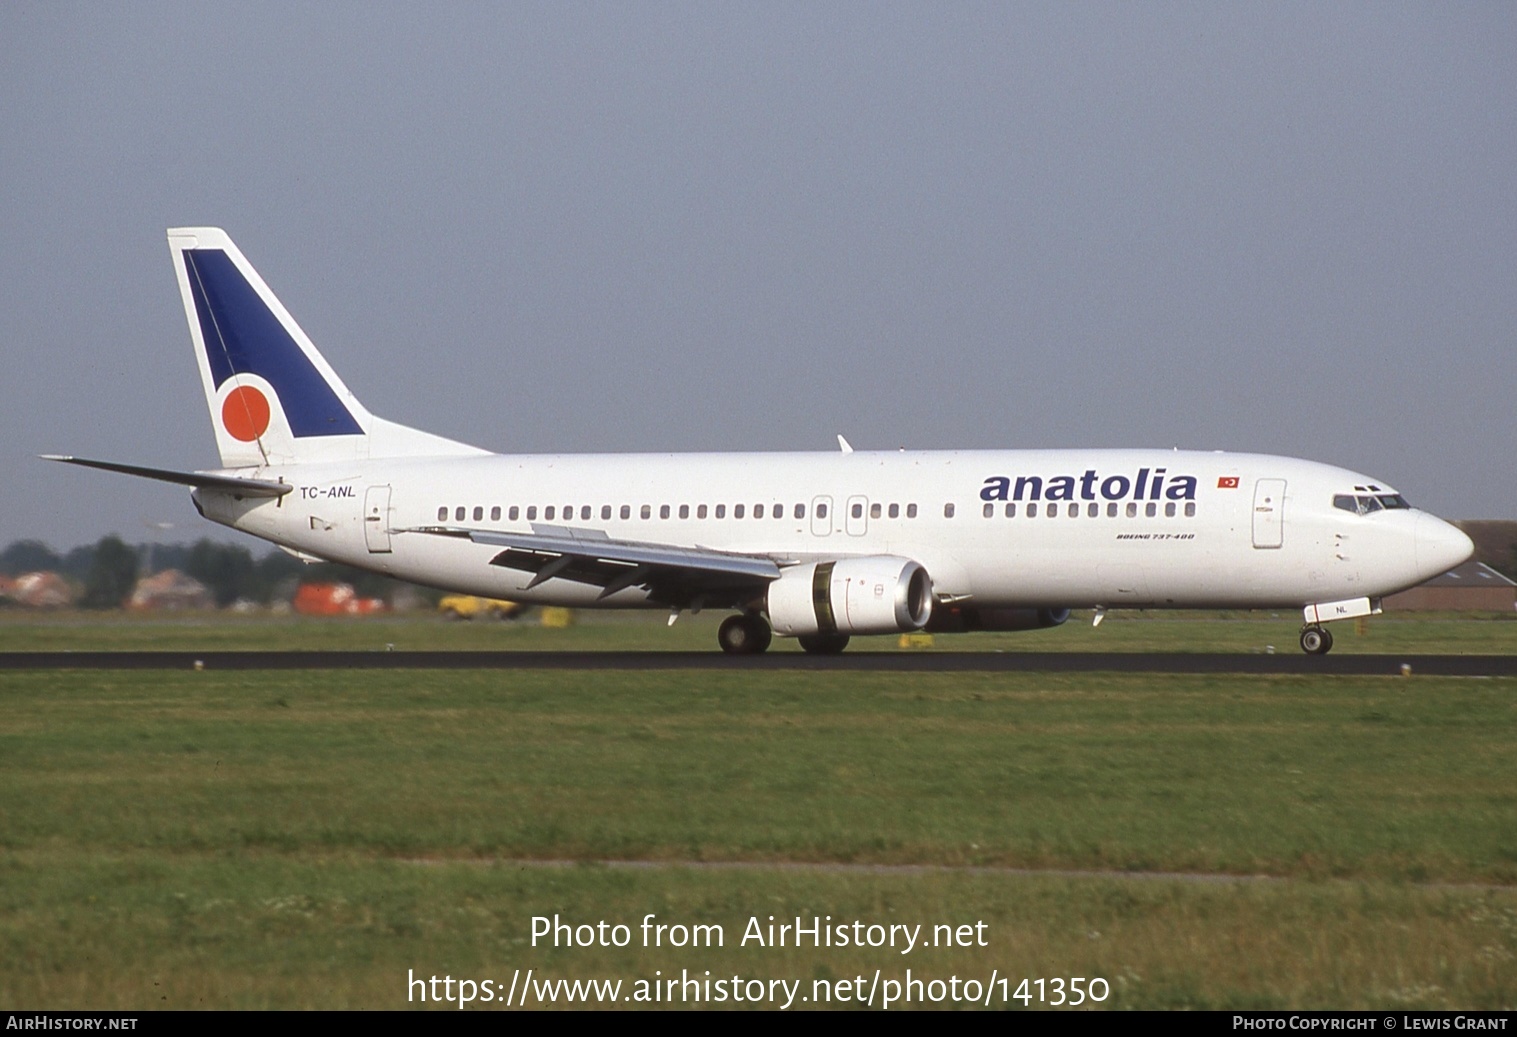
pixel 1285 776
pixel 224 931
pixel 303 839
pixel 1473 633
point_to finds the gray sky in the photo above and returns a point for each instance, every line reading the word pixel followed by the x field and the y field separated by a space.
pixel 1288 228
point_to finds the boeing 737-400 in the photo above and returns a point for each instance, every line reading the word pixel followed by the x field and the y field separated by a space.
pixel 816 546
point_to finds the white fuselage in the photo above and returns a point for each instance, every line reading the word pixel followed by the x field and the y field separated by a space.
pixel 1054 528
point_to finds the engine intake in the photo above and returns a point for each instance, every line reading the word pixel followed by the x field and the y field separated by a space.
pixel 879 594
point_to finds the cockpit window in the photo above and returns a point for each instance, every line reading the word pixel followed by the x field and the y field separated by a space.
pixel 1365 504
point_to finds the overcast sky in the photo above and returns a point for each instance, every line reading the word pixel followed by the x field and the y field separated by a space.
pixel 1287 228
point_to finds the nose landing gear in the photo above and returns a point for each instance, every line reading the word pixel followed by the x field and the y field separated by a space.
pixel 1316 640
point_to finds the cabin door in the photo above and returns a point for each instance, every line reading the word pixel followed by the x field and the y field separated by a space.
pixel 376 519
pixel 1269 513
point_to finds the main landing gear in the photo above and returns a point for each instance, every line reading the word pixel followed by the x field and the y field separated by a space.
pixel 749 633
pixel 745 634
pixel 823 644
pixel 1316 640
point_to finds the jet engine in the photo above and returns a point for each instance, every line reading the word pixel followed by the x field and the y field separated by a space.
pixel 878 594
pixel 962 620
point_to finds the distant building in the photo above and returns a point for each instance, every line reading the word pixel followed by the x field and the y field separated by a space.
pixel 44 590
pixel 334 599
pixel 169 590
pixel 1474 586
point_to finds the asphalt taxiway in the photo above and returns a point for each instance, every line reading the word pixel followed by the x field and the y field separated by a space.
pixel 871 662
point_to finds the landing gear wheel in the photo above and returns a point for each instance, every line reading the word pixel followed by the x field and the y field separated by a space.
pixel 823 644
pixel 1316 641
pixel 747 634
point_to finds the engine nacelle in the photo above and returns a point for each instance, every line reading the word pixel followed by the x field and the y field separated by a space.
pixel 880 594
pixel 962 620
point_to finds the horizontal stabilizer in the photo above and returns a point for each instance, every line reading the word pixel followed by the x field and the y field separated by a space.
pixel 200 480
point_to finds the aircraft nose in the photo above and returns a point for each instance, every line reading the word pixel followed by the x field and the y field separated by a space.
pixel 1440 546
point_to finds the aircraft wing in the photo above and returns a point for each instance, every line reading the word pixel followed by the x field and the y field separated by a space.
pixel 199 480
pixel 674 575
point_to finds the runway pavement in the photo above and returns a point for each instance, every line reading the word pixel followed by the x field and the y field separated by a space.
pixel 874 662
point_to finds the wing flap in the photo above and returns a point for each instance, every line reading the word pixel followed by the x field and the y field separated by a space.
pixel 671 574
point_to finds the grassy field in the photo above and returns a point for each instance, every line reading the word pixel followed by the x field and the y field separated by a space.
pixel 648 631
pixel 311 839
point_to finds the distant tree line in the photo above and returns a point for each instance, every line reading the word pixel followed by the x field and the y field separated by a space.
pixel 109 569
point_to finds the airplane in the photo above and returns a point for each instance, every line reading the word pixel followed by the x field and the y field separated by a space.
pixel 816 546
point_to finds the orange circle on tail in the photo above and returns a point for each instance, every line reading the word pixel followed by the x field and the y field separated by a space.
pixel 245 414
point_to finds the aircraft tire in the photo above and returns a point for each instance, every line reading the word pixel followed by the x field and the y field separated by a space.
pixel 1316 641
pixel 746 634
pixel 823 644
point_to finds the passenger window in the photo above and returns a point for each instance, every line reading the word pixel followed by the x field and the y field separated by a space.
pixel 800 511
pixel 663 511
pixel 911 511
pixel 858 511
pixel 758 511
pixel 684 511
pixel 647 511
pixel 721 511
pixel 895 511
pixel 605 512
pixel 626 511
pixel 874 511
pixel 531 512
pixel 548 513
pixel 458 514
pixel 1190 509
pixel 584 513
pixel 1053 511
pixel 1093 510
pixel 479 513
pixel 514 513
pixel 1169 510
pixel 495 513
pixel 737 511
pixel 1074 510
pixel 1032 509
pixel 442 514
pixel 1151 510
pixel 948 510
pixel 1132 509
pixel 778 511
pixel 821 511
pixel 1111 510
pixel 988 510
pixel 1011 510
pixel 700 511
